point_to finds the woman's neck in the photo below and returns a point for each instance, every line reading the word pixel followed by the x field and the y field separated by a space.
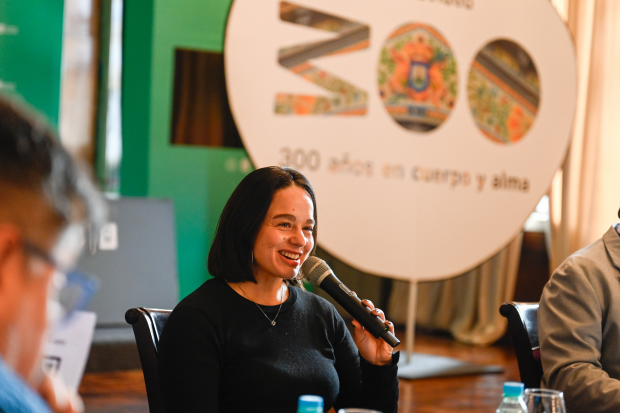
pixel 264 292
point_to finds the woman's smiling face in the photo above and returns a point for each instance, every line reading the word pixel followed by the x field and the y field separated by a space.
pixel 285 238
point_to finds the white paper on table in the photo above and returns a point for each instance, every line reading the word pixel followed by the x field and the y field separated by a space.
pixel 67 349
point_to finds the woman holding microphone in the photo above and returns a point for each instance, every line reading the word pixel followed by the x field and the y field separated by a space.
pixel 252 339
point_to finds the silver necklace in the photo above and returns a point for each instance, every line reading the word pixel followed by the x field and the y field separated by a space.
pixel 273 322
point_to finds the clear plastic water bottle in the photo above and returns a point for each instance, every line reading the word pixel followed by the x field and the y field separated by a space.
pixel 310 404
pixel 513 401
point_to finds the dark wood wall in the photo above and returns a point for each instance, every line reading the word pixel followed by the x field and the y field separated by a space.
pixel 533 268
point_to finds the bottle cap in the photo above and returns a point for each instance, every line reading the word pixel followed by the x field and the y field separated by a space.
pixel 309 403
pixel 513 389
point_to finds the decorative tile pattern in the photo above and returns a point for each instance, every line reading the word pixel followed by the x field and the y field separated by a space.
pixel 503 90
pixel 418 77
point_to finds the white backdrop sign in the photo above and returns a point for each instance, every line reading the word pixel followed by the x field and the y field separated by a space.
pixel 429 129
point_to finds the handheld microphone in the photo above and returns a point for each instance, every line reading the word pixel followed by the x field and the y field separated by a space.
pixel 319 274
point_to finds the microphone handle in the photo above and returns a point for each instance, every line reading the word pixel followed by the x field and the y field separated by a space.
pixel 354 306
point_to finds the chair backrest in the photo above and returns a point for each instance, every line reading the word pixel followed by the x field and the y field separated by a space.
pixel 148 324
pixel 523 326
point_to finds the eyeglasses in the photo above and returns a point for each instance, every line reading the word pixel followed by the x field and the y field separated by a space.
pixel 75 289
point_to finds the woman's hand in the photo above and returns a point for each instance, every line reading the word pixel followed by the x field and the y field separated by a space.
pixel 374 350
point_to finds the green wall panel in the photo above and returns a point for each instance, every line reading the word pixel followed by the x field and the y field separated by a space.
pixel 198 179
pixel 31 51
pixel 136 86
pixel 199 184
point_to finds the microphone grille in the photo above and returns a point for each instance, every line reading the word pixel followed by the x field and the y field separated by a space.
pixel 313 268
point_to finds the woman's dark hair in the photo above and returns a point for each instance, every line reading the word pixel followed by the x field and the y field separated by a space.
pixel 230 257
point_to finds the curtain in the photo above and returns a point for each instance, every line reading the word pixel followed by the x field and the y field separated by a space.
pixel 585 194
pixel 472 317
pixel 200 110
pixel 78 86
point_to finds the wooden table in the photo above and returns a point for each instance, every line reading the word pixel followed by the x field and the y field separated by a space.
pixel 124 392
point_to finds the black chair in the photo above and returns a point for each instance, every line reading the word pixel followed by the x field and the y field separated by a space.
pixel 523 325
pixel 148 324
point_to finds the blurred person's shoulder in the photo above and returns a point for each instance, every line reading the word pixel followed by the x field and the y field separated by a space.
pixel 589 274
pixel 601 258
pixel 16 395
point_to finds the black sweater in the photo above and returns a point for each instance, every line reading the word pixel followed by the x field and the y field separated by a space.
pixel 219 353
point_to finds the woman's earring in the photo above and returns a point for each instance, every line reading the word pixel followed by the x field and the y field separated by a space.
pixel 252 252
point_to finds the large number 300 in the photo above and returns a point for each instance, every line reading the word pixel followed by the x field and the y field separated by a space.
pixel 300 159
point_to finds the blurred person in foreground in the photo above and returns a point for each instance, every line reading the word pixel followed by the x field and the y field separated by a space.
pixel 579 327
pixel 45 203
pixel 252 339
